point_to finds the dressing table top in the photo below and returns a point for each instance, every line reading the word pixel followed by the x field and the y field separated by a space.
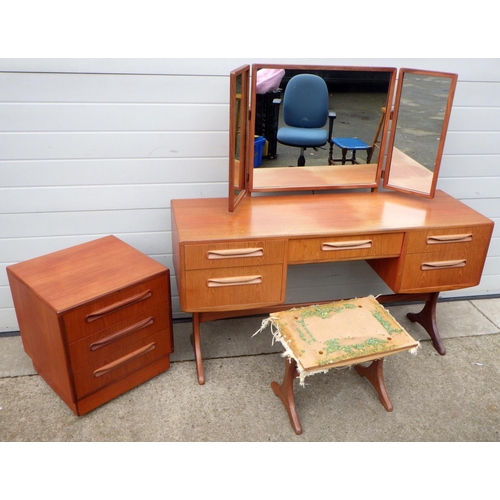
pixel 312 215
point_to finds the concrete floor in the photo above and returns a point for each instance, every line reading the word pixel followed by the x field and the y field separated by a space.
pixel 451 398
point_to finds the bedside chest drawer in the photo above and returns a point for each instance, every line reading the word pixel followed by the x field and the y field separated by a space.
pixel 454 239
pixel 229 288
pixel 243 253
pixel 121 363
pixel 107 311
pixel 106 342
pixel 336 248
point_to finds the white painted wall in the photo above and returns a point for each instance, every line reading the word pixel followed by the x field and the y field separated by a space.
pixel 96 147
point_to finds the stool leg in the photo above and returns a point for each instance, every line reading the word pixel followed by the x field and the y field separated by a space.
pixel 375 375
pixel 344 155
pixel 285 393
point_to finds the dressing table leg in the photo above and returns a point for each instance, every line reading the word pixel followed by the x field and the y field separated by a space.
pixel 285 393
pixel 427 318
pixel 196 340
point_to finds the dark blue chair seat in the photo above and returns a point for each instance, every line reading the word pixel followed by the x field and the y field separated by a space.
pixel 302 137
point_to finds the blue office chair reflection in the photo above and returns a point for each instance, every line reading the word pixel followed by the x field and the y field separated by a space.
pixel 305 113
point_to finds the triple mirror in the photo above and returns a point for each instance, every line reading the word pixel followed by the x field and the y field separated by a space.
pixel 360 111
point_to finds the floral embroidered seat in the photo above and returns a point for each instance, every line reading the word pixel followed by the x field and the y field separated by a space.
pixel 347 332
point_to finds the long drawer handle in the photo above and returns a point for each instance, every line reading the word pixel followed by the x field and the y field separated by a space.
pixel 237 280
pixel 449 238
pixel 125 359
pixel 122 333
pixel 235 253
pixel 346 245
pixel 117 306
pixel 444 264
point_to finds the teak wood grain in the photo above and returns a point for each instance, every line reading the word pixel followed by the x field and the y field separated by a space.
pixel 419 246
pixel 207 219
pixel 85 273
pixel 385 226
pixel 95 319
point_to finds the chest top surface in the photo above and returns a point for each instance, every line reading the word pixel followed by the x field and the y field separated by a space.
pixel 83 272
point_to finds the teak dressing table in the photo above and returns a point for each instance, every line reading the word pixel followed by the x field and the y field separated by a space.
pixel 232 260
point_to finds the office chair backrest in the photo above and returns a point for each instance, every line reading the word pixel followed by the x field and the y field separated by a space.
pixel 305 102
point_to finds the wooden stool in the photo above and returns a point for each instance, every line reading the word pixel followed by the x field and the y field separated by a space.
pixel 348 332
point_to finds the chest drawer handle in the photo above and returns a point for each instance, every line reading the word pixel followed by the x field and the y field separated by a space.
pixel 237 280
pixel 445 264
pixel 235 253
pixel 117 306
pixel 346 245
pixel 449 238
pixel 121 334
pixel 125 359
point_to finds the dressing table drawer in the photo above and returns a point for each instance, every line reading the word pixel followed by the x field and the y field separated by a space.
pixel 441 271
pixel 232 288
pixel 449 239
pixel 242 253
pixel 364 246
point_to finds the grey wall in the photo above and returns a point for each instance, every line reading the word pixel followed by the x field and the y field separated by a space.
pixel 96 147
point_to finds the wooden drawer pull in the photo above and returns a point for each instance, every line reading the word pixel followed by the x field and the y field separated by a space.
pixel 237 280
pixel 125 359
pixel 117 306
pixel 445 264
pixel 449 238
pixel 346 245
pixel 122 333
pixel 235 253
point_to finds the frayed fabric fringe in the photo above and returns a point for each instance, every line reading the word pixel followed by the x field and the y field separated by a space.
pixel 271 322
pixel 277 336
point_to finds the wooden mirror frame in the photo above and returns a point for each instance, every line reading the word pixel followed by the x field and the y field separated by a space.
pixel 238 122
pixel 403 173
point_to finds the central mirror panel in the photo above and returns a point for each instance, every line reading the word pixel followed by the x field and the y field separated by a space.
pixel 354 130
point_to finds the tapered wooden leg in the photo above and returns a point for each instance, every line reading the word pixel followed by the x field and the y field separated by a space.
pixel 375 375
pixel 285 393
pixel 427 318
pixel 196 340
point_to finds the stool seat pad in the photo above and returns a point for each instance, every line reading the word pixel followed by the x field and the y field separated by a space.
pixel 337 334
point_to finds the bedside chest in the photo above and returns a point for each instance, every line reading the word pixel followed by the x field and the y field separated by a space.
pixel 95 319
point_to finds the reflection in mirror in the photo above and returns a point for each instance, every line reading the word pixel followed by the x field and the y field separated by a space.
pixel 358 97
pixel 237 134
pixel 421 116
pixel 236 131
